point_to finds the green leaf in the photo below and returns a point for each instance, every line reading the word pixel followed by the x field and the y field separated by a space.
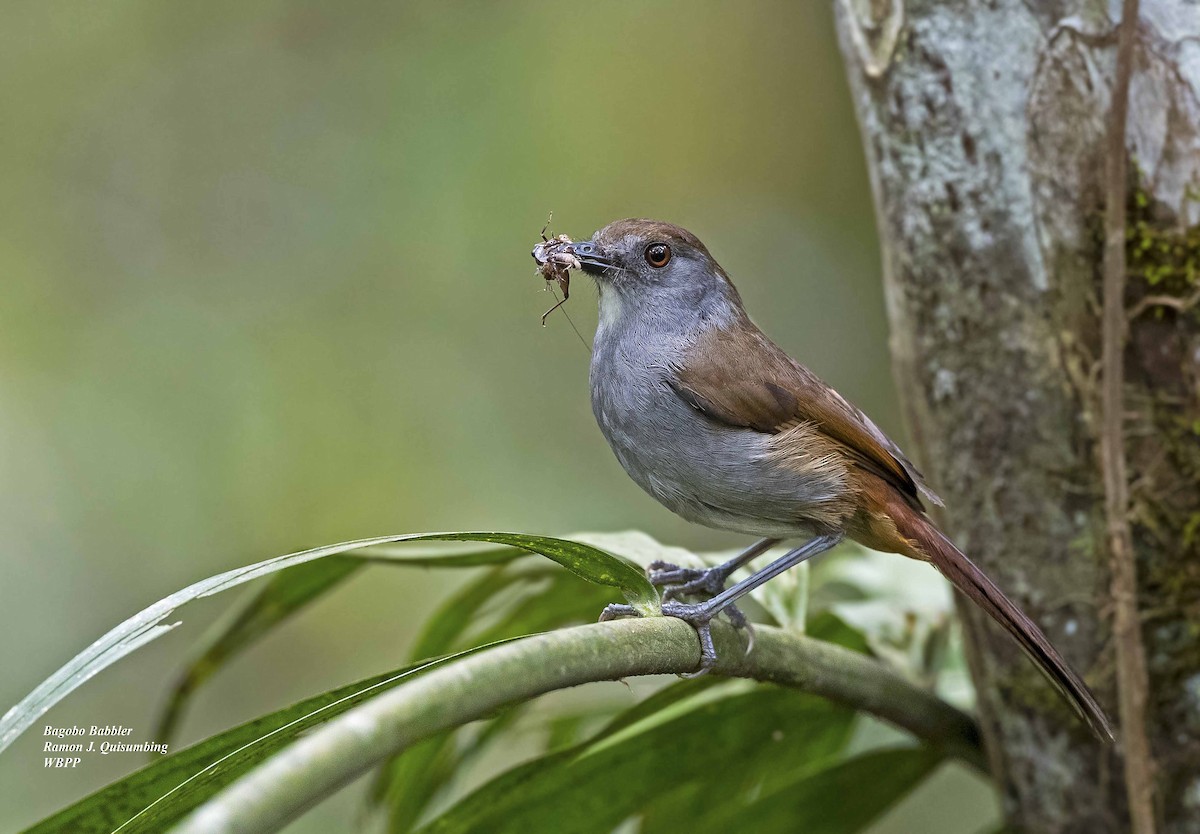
pixel 722 749
pixel 404 785
pixel 563 731
pixel 831 628
pixel 161 793
pixel 842 799
pixel 583 560
pixel 508 602
pixel 447 625
pixel 405 555
pixel 408 783
pixel 286 593
pixel 656 703
pixel 535 599
pixel 283 595
pixel 565 601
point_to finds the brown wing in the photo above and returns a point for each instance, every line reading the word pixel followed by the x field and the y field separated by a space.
pixel 742 378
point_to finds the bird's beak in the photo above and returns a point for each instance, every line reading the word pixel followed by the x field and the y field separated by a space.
pixel 592 258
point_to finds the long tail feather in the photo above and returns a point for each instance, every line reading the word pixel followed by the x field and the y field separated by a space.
pixel 970 580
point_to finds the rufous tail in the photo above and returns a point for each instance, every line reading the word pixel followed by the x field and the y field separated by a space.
pixel 970 580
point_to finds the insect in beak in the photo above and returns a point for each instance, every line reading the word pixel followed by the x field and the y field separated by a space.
pixel 555 258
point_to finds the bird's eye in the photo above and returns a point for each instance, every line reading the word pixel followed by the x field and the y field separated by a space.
pixel 658 255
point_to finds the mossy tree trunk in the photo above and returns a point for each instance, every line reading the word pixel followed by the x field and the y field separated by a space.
pixel 984 125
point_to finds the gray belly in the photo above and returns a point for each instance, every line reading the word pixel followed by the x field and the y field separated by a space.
pixel 706 472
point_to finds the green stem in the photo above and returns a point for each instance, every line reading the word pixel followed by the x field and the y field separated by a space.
pixel 280 789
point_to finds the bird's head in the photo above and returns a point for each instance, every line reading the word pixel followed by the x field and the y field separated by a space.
pixel 655 264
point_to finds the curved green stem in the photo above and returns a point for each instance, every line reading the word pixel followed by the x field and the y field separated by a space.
pixel 282 788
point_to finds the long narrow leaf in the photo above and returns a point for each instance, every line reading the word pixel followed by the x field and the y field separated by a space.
pixel 722 747
pixel 462 609
pixel 161 793
pixel 283 595
pixel 588 562
pixel 290 590
pixel 534 600
pixel 843 799
pixel 410 782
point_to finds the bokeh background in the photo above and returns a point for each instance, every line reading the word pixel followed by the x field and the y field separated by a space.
pixel 266 285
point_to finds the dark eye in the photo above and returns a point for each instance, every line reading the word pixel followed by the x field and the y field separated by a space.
pixel 658 254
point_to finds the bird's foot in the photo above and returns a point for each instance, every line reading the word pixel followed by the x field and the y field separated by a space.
pixel 704 583
pixel 699 616
pixel 615 611
pixel 678 582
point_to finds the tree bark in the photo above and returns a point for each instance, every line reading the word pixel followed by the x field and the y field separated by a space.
pixel 984 125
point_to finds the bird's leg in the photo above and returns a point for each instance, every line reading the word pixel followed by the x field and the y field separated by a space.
pixel 700 615
pixel 677 581
pixel 813 547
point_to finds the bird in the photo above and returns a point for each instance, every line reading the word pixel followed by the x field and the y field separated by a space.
pixel 721 426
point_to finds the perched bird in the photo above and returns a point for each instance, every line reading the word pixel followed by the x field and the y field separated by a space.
pixel 715 421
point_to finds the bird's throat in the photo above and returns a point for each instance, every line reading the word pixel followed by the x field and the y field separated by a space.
pixel 611 307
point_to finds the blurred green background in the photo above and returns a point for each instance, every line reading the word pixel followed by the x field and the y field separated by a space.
pixel 266 285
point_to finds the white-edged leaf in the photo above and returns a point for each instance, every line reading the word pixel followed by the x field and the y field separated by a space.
pixel 586 561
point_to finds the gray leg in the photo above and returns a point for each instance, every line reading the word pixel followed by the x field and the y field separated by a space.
pixel 677 582
pixel 700 614
pixel 793 557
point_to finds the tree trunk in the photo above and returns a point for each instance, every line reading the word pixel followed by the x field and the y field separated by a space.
pixel 984 125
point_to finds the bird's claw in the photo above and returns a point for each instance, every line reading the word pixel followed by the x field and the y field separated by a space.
pixel 677 581
pixel 616 610
pixel 700 618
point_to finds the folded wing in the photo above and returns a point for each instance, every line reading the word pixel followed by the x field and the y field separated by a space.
pixel 741 378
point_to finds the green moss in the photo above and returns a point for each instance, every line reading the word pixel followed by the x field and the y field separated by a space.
pixel 1191 530
pixel 1166 260
pixel 1163 260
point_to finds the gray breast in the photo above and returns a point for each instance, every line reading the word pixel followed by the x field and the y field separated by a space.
pixel 707 472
